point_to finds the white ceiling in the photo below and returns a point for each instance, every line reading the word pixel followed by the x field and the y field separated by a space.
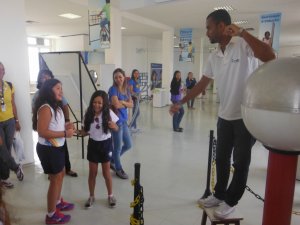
pixel 172 13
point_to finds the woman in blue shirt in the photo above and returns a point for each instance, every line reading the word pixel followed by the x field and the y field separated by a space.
pixel 190 83
pixel 120 99
pixel 134 86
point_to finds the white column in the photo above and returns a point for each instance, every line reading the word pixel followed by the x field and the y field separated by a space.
pixel 167 58
pixel 201 58
pixel 113 55
pixel 14 56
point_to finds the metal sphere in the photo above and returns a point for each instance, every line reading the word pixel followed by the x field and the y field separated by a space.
pixel 271 104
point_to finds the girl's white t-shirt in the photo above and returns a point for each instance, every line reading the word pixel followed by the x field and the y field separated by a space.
pixel 98 134
pixel 57 123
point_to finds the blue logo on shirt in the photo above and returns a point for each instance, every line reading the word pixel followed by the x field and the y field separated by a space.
pixel 235 60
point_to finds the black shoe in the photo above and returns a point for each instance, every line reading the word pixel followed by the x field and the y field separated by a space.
pixel 178 130
pixel 72 173
pixel 121 173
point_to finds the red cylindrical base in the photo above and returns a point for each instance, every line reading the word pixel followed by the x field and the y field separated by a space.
pixel 280 186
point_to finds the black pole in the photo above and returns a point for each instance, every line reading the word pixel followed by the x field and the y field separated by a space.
pixel 207 191
pixel 137 190
pixel 81 105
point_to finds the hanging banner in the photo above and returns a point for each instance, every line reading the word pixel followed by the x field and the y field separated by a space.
pixel 186 48
pixel 99 24
pixel 269 30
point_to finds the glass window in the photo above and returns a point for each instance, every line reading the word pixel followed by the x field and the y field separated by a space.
pixel 46 42
pixel 33 54
pixel 44 49
pixel 31 41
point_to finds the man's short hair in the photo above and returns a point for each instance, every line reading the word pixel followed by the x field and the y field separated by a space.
pixel 220 15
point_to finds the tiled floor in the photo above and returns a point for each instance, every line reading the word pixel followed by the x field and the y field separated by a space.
pixel 173 174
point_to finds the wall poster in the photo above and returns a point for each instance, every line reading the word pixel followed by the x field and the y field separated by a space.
pixel 186 47
pixel 156 75
pixel 269 30
pixel 99 24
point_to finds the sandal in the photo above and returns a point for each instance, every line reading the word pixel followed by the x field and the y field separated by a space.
pixel 72 173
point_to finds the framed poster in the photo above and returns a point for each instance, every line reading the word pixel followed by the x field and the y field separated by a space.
pixel 156 75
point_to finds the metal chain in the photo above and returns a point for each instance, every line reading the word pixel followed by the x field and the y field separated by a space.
pixel 213 165
pixel 252 192
pixel 138 200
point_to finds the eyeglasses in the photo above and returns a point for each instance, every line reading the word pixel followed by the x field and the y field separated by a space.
pixel 97 121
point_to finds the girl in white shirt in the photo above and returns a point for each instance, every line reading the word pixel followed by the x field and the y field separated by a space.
pixel 49 121
pixel 98 120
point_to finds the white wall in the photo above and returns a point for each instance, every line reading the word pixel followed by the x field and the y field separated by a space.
pixel 139 52
pixel 289 51
pixel 14 56
pixel 96 58
pixel 72 43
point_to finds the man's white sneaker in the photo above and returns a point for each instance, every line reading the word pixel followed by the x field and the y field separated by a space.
pixel 209 202
pixel 223 211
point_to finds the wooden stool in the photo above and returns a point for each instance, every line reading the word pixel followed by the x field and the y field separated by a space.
pixel 209 212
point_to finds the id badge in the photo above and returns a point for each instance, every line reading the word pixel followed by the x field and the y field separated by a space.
pixel 3 107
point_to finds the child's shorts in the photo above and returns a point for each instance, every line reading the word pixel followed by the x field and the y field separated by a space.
pixel 99 151
pixel 52 158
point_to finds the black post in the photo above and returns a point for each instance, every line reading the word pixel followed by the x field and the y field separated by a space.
pixel 137 190
pixel 210 148
pixel 81 105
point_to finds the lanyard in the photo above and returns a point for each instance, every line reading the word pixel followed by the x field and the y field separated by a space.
pixel 2 93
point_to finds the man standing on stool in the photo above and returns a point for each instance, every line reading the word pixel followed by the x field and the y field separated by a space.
pixel 230 65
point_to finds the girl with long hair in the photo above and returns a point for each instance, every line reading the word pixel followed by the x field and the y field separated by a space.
pixel 49 121
pixel 44 75
pixel 99 119
pixel 134 87
pixel 176 95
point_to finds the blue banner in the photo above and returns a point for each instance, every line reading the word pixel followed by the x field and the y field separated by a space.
pixel 269 30
pixel 186 49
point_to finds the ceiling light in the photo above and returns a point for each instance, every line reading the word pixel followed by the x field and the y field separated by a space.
pixel 123 28
pixel 70 16
pixel 240 22
pixel 226 7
